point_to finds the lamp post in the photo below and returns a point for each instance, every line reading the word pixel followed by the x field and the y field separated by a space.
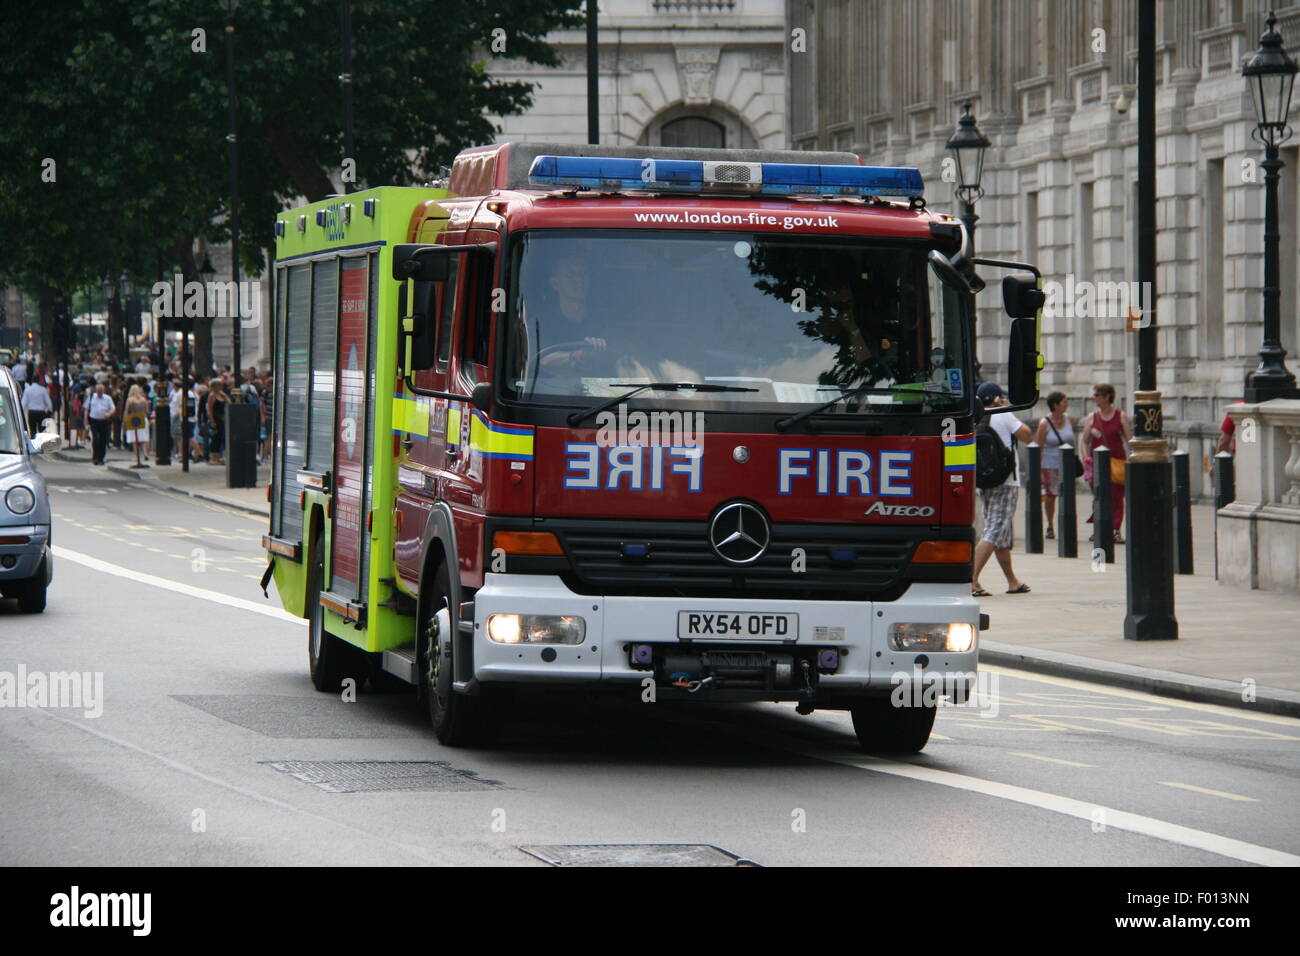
pixel 968 144
pixel 109 288
pixel 345 78
pixel 230 6
pixel 1270 75
pixel 127 290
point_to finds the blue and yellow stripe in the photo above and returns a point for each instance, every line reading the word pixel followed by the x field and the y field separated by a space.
pixel 959 454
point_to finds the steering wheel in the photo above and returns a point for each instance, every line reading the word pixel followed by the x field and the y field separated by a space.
pixel 563 347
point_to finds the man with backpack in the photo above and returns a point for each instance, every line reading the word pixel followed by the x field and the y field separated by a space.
pixel 997 475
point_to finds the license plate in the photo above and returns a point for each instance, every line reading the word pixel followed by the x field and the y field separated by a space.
pixel 738 625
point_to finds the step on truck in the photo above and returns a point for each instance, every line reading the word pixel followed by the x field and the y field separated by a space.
pixel 668 424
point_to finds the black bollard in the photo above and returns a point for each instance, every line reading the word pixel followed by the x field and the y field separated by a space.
pixel 1182 512
pixel 1103 516
pixel 1225 480
pixel 1034 501
pixel 1067 531
pixel 162 430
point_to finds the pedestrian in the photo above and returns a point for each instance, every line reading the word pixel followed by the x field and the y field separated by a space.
pixel 201 429
pixel 118 393
pixel 136 423
pixel 100 411
pixel 999 502
pixel 37 404
pixel 217 400
pixel 1227 434
pixel 77 424
pixel 1108 427
pixel 1054 430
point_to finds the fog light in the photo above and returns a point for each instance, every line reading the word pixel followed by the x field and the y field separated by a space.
pixel 535 629
pixel 8 561
pixel 956 637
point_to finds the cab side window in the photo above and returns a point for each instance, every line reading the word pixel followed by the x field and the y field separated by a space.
pixel 477 342
pixel 447 296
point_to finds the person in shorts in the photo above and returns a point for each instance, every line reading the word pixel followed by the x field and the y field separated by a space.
pixel 1055 429
pixel 999 503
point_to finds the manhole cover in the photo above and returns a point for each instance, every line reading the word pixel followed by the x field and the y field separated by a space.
pixel 368 776
pixel 636 854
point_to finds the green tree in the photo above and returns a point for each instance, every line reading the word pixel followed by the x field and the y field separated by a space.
pixel 127 99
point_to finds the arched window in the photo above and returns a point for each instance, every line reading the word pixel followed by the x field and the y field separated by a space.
pixel 693 131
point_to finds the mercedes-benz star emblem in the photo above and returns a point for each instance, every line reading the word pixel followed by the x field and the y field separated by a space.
pixel 739 533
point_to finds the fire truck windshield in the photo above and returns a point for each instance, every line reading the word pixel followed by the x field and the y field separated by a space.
pixel 799 321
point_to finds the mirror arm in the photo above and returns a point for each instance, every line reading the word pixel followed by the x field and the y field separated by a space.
pixel 449 396
pixel 1009 264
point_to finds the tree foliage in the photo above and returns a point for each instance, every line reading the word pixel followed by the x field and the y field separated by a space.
pixel 128 99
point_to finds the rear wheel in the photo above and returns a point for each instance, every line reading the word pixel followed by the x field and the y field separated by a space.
pixel 458 720
pixel 329 659
pixel 31 593
pixel 883 728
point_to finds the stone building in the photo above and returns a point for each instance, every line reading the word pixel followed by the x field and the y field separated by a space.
pixel 1052 83
pixel 672 73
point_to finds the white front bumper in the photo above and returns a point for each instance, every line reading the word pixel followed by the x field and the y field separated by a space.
pixel 615 623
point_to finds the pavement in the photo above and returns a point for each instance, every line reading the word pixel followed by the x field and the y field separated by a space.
pixel 1235 647
pixel 202 480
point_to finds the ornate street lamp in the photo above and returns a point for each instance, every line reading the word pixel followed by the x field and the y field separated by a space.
pixel 968 144
pixel 1270 75
pixel 126 290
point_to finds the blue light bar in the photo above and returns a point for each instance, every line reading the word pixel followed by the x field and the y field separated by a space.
pixel 697 177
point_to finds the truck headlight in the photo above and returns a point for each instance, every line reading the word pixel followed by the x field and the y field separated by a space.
pixel 956 637
pixel 535 629
pixel 20 500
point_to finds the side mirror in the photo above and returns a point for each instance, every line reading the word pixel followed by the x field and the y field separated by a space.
pixel 947 272
pixel 1022 362
pixel 481 396
pixel 1021 296
pixel 413 260
pixel 424 332
pixel 46 442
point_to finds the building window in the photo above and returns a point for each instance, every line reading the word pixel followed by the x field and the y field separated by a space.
pixel 693 131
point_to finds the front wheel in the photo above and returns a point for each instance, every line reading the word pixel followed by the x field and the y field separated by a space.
pixel 31 593
pixel 458 720
pixel 883 728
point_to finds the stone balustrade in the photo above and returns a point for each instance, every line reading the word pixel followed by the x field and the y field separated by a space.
pixel 1259 533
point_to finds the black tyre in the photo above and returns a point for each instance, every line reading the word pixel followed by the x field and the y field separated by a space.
pixel 458 720
pixel 31 593
pixel 883 728
pixel 329 659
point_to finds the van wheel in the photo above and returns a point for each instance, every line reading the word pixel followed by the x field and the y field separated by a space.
pixel 458 720
pixel 329 659
pixel 31 593
pixel 883 728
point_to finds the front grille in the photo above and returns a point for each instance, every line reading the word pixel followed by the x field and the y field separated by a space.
pixel 680 560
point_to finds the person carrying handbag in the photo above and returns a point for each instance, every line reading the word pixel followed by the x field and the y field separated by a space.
pixel 1055 429
pixel 1109 426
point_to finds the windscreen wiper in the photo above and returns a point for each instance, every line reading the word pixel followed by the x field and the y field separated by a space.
pixel 786 423
pixel 655 386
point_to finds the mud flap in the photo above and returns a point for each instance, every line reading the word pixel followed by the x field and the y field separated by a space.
pixel 266 579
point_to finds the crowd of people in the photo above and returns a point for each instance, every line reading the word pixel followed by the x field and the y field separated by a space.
pixel 95 401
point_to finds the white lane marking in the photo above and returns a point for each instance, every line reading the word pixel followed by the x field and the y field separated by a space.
pixel 416 851
pixel 1118 819
pixel 1207 790
pixel 1068 763
pixel 1219 709
pixel 187 589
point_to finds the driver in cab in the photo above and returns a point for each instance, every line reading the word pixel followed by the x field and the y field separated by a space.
pixel 571 283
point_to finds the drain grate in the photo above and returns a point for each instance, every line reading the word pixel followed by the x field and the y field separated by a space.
pixel 370 776
pixel 636 854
